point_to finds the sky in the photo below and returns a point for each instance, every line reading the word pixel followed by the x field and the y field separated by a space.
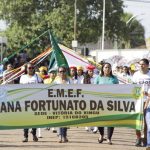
pixel 141 10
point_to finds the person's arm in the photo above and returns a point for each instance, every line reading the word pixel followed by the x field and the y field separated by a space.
pixel 146 103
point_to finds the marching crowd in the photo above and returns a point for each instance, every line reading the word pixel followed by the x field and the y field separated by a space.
pixel 78 75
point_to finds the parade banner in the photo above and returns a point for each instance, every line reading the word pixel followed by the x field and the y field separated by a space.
pixel 39 105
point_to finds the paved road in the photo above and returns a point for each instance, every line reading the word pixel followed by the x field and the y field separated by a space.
pixel 79 139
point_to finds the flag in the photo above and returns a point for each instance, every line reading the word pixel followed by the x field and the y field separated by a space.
pixel 57 58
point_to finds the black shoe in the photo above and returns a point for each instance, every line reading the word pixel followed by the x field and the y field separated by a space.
pixel 138 142
pixel 48 128
pixel 25 140
pixel 144 141
pixel 35 139
pixel 109 142
pixel 100 140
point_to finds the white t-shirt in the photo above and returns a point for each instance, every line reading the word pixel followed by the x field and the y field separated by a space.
pixel 73 80
pixel 80 79
pixel 26 79
pixel 143 79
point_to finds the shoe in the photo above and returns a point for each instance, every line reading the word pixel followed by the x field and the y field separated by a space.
pixel 60 141
pixel 147 148
pixel 95 130
pixel 48 128
pixel 87 129
pixel 104 139
pixel 144 142
pixel 25 140
pixel 35 139
pixel 54 130
pixel 109 142
pixel 138 142
pixel 100 140
pixel 65 140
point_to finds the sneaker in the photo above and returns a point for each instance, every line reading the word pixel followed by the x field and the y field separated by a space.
pixel 54 130
pixel 25 140
pixel 87 129
pixel 35 139
pixel 109 142
pixel 60 141
pixel 95 129
pixel 65 140
pixel 144 141
pixel 138 142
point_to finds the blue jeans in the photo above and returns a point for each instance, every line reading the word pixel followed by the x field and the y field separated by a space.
pixel 63 132
pixel 148 126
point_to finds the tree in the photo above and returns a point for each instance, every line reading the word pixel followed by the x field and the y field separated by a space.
pixel 27 19
pixel 133 32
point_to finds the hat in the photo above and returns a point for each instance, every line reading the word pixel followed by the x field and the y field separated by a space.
pixel 79 68
pixel 43 68
pixel 73 67
pixel 52 70
pixel 90 67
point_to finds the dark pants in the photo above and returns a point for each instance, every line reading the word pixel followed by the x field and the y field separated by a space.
pixel 110 131
pixel 27 130
pixel 63 132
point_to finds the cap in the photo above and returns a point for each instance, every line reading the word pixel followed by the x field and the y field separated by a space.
pixel 90 67
pixel 43 68
pixel 79 68
pixel 73 67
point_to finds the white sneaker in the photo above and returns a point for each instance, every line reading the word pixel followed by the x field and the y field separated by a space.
pixel 95 129
pixel 86 128
pixel 54 130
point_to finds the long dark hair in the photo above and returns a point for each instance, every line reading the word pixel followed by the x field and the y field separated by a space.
pixel 102 72
pixel 128 73
pixel 87 78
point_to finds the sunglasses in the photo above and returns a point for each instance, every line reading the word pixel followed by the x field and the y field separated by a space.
pixel 30 67
pixel 62 71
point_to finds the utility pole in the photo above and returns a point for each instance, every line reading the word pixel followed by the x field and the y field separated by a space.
pixel 74 42
pixel 103 26
pixel 1 49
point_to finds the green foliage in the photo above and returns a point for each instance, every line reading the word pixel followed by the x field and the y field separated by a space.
pixel 133 31
pixel 28 19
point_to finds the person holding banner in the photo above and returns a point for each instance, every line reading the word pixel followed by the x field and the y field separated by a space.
pixel 89 78
pixel 30 78
pixel 147 118
pixel 52 74
pixel 51 77
pixel 62 78
pixel 142 77
pixel 80 74
pixel 106 77
pixel 7 74
pixel 73 75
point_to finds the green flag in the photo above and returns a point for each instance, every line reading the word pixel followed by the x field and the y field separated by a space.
pixel 57 58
